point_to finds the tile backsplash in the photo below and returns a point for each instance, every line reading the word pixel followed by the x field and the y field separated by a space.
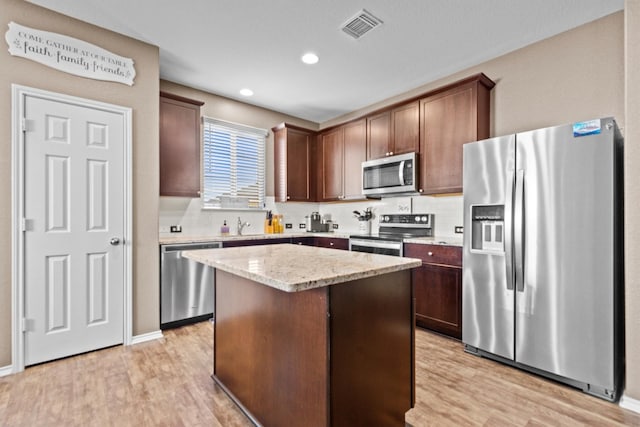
pixel 189 214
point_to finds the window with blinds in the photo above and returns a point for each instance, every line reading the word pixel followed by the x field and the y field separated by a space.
pixel 233 165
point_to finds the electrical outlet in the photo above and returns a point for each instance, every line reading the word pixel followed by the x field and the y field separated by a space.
pixel 288 226
pixel 459 229
pixel 302 226
pixel 335 226
pixel 175 229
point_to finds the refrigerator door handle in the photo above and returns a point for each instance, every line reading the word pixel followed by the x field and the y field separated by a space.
pixel 518 231
pixel 508 230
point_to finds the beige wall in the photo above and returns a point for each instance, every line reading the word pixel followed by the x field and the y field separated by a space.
pixel 140 97
pixel 632 197
pixel 222 108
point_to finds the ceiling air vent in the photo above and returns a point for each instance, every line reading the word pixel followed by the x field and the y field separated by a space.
pixel 360 24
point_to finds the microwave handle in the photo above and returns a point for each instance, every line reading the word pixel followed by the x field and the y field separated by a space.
pixel 401 173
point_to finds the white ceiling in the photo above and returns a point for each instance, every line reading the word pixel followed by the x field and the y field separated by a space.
pixel 221 46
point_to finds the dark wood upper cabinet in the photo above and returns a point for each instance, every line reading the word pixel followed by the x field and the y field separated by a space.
pixel 294 163
pixel 343 149
pixel 395 131
pixel 179 146
pixel 434 124
pixel 378 135
pixel 405 122
pixel 332 148
pixel 355 152
pixel 453 116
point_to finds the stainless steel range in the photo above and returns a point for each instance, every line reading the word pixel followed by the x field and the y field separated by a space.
pixel 392 231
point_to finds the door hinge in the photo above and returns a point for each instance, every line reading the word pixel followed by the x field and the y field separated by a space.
pixel 27 125
pixel 27 324
pixel 27 224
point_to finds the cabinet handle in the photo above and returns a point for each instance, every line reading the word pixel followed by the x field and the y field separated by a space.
pixel 330 243
pixel 391 153
pixel 288 197
pixel 430 253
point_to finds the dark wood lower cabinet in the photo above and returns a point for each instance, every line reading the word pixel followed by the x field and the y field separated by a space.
pixel 438 293
pixel 438 287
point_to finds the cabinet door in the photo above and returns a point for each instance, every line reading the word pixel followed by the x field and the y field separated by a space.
pixel 332 144
pixel 438 293
pixel 378 135
pixel 406 128
pixel 179 148
pixel 355 152
pixel 293 161
pixel 299 153
pixel 449 120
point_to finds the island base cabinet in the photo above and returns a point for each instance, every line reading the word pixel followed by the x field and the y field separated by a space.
pixel 268 351
pixel 372 351
pixel 341 355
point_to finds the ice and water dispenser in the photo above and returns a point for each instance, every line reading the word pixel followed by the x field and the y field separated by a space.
pixel 487 228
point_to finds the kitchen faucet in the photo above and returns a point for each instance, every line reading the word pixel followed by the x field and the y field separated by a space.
pixel 241 225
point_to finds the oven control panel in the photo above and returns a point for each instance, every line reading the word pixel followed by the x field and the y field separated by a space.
pixel 415 220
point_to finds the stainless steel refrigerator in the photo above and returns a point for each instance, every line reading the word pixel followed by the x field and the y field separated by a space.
pixel 543 253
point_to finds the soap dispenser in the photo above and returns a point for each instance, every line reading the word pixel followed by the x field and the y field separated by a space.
pixel 224 230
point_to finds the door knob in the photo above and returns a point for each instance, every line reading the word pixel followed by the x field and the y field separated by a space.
pixel 115 241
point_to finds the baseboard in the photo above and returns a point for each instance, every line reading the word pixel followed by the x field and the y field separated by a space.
pixel 150 336
pixel 627 402
pixel 6 370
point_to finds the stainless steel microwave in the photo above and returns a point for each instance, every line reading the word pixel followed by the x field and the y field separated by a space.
pixel 389 176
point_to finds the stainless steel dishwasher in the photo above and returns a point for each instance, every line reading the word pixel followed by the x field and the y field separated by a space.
pixel 186 286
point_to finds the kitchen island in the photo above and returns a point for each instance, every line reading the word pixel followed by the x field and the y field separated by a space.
pixel 313 336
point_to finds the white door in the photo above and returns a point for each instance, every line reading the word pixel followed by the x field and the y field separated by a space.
pixel 74 203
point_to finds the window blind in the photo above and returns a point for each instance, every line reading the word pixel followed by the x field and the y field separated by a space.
pixel 233 165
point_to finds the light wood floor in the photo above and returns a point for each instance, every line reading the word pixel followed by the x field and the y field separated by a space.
pixel 166 383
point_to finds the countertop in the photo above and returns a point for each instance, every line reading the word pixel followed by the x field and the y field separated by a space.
pixel 177 238
pixel 293 268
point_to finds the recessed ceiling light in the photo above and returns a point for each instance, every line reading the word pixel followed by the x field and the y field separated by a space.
pixel 310 58
pixel 246 92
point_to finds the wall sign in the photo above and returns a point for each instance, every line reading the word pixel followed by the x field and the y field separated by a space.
pixel 70 55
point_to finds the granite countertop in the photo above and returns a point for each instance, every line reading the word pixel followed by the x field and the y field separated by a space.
pixel 182 239
pixel 177 238
pixel 293 268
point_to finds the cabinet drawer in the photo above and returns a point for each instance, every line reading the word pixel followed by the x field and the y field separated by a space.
pixel 435 254
pixel 332 242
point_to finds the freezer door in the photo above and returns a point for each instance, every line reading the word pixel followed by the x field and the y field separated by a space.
pixel 487 285
pixel 564 253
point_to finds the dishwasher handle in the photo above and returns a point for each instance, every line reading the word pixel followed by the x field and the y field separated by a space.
pixel 190 247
